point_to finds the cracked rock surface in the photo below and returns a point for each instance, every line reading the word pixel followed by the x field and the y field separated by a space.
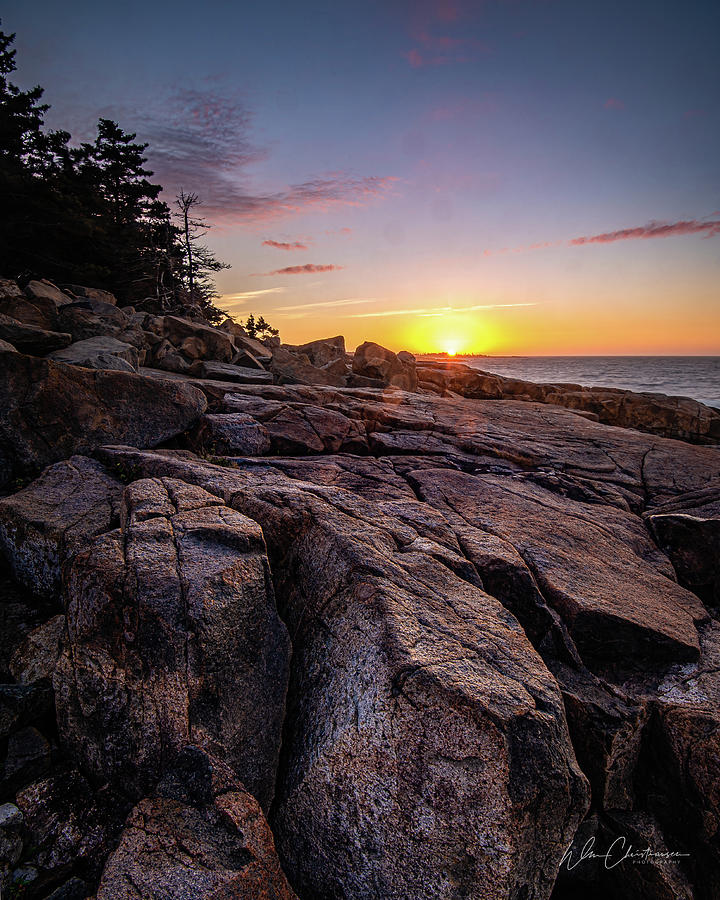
pixel 487 638
pixel 173 638
pixel 200 836
pixel 503 618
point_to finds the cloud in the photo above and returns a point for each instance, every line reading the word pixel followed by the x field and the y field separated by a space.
pixel 613 103
pixel 246 295
pixel 434 49
pixel 652 230
pixel 200 140
pixel 324 303
pixel 438 310
pixel 415 58
pixel 307 269
pixel 284 245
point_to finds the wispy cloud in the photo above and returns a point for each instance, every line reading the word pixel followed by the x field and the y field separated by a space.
pixel 438 310
pixel 285 245
pixel 440 49
pixel 326 303
pixel 246 295
pixel 200 140
pixel 652 230
pixel 613 103
pixel 307 269
pixel 707 227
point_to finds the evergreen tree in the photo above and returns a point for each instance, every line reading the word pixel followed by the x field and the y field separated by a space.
pixel 21 113
pixel 259 328
pixel 31 162
pixel 89 214
pixel 265 330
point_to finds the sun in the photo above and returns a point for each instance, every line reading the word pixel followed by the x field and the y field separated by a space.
pixel 451 350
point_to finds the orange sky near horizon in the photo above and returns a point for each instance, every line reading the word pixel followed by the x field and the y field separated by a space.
pixel 634 318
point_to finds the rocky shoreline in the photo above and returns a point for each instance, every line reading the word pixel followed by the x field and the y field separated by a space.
pixel 284 621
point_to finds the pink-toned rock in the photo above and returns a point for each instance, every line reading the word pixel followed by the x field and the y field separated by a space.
pixel 202 836
pixel 173 636
pixel 373 361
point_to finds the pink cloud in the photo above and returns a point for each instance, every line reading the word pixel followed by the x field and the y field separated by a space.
pixel 415 58
pixel 200 140
pixel 285 245
pixel 433 49
pixel 307 269
pixel 652 230
pixel 613 103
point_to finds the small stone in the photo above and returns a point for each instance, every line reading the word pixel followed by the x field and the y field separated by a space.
pixel 10 816
pixel 26 875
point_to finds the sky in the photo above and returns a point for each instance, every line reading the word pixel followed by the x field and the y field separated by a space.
pixel 507 177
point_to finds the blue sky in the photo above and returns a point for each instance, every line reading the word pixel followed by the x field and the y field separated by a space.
pixel 434 161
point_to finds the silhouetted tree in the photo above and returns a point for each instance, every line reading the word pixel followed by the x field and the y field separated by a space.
pixel 199 262
pixel 259 328
pixel 266 330
pixel 89 214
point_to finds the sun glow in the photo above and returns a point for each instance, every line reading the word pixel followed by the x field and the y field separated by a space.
pixel 454 333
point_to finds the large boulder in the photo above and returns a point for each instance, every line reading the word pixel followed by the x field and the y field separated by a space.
pixel 219 371
pixel 243 341
pixel 30 338
pixel 293 368
pixel 92 293
pixel 99 353
pixel 373 361
pixel 49 411
pixel 231 434
pixel 202 835
pixel 195 339
pixel 40 311
pixel 46 290
pixel 173 635
pixel 165 356
pixel 91 318
pixel 423 732
pixel 324 351
pixel 616 593
pixel 46 523
pixel 289 427
pixel 545 512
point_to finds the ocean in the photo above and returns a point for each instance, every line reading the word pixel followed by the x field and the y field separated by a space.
pixel 685 376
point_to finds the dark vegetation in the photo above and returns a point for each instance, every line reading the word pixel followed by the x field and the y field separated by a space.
pixel 89 214
pixel 259 328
